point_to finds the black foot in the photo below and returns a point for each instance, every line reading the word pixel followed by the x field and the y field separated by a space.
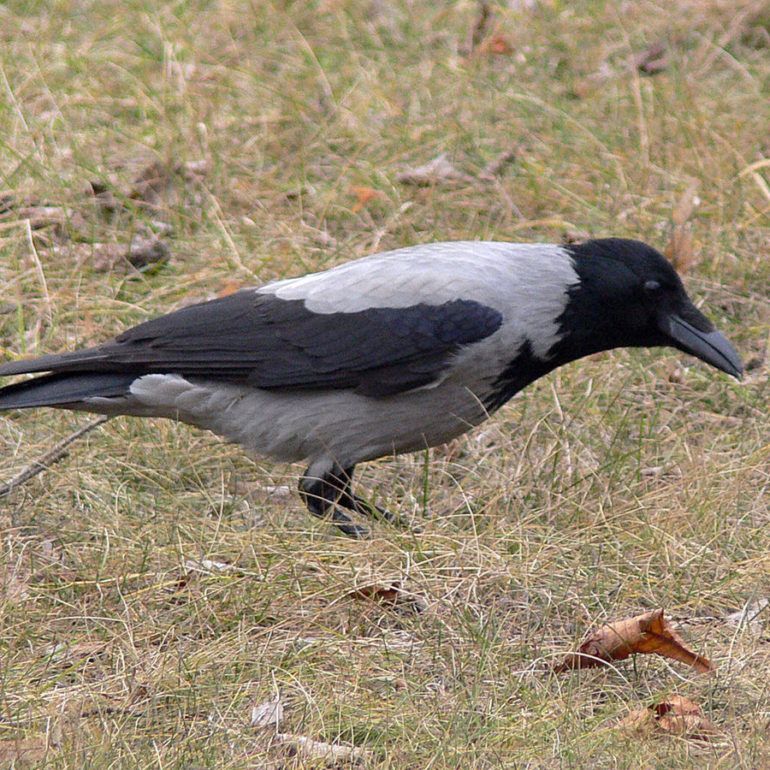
pixel 355 503
pixel 320 496
pixel 324 491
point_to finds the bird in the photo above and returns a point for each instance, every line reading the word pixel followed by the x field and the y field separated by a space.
pixel 386 354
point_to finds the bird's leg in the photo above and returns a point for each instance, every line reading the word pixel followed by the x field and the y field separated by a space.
pixel 353 502
pixel 320 492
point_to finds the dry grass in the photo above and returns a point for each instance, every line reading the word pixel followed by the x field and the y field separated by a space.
pixel 624 482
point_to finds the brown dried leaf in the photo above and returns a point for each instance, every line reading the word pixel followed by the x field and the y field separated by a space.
pixel 437 171
pixel 363 196
pixel 649 633
pixel 331 753
pixel 153 182
pixel 390 593
pixel 387 593
pixel 676 715
pixel 652 60
pixel 496 45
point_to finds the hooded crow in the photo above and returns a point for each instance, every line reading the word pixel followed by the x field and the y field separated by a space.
pixel 391 353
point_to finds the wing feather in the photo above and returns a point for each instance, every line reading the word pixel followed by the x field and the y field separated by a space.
pixel 275 343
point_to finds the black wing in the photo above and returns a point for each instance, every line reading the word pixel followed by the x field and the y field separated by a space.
pixel 268 342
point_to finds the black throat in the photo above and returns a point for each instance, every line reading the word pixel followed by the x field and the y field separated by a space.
pixel 521 371
pixel 596 317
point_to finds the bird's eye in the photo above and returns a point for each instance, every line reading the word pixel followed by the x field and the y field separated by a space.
pixel 651 286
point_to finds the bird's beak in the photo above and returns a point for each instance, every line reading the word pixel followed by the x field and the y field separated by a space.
pixel 705 342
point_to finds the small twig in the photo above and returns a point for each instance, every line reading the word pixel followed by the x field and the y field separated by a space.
pixel 51 457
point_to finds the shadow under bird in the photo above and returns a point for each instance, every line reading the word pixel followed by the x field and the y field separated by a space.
pixel 390 353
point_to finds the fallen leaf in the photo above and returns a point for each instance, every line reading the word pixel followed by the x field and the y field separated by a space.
pixel 676 715
pixel 390 593
pixel 331 753
pixel 152 182
pixel 387 594
pixel 652 60
pixel 649 633
pixel 267 714
pixel 497 45
pixel 677 375
pixel 363 196
pixel 437 171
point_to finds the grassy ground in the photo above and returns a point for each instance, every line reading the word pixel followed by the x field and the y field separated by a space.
pixel 621 483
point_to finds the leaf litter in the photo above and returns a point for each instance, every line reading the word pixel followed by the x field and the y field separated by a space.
pixel 675 715
pixel 155 187
pixel 649 633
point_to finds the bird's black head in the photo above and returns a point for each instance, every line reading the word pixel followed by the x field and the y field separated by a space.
pixel 629 295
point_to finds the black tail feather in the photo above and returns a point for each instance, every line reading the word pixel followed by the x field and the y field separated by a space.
pixel 63 389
